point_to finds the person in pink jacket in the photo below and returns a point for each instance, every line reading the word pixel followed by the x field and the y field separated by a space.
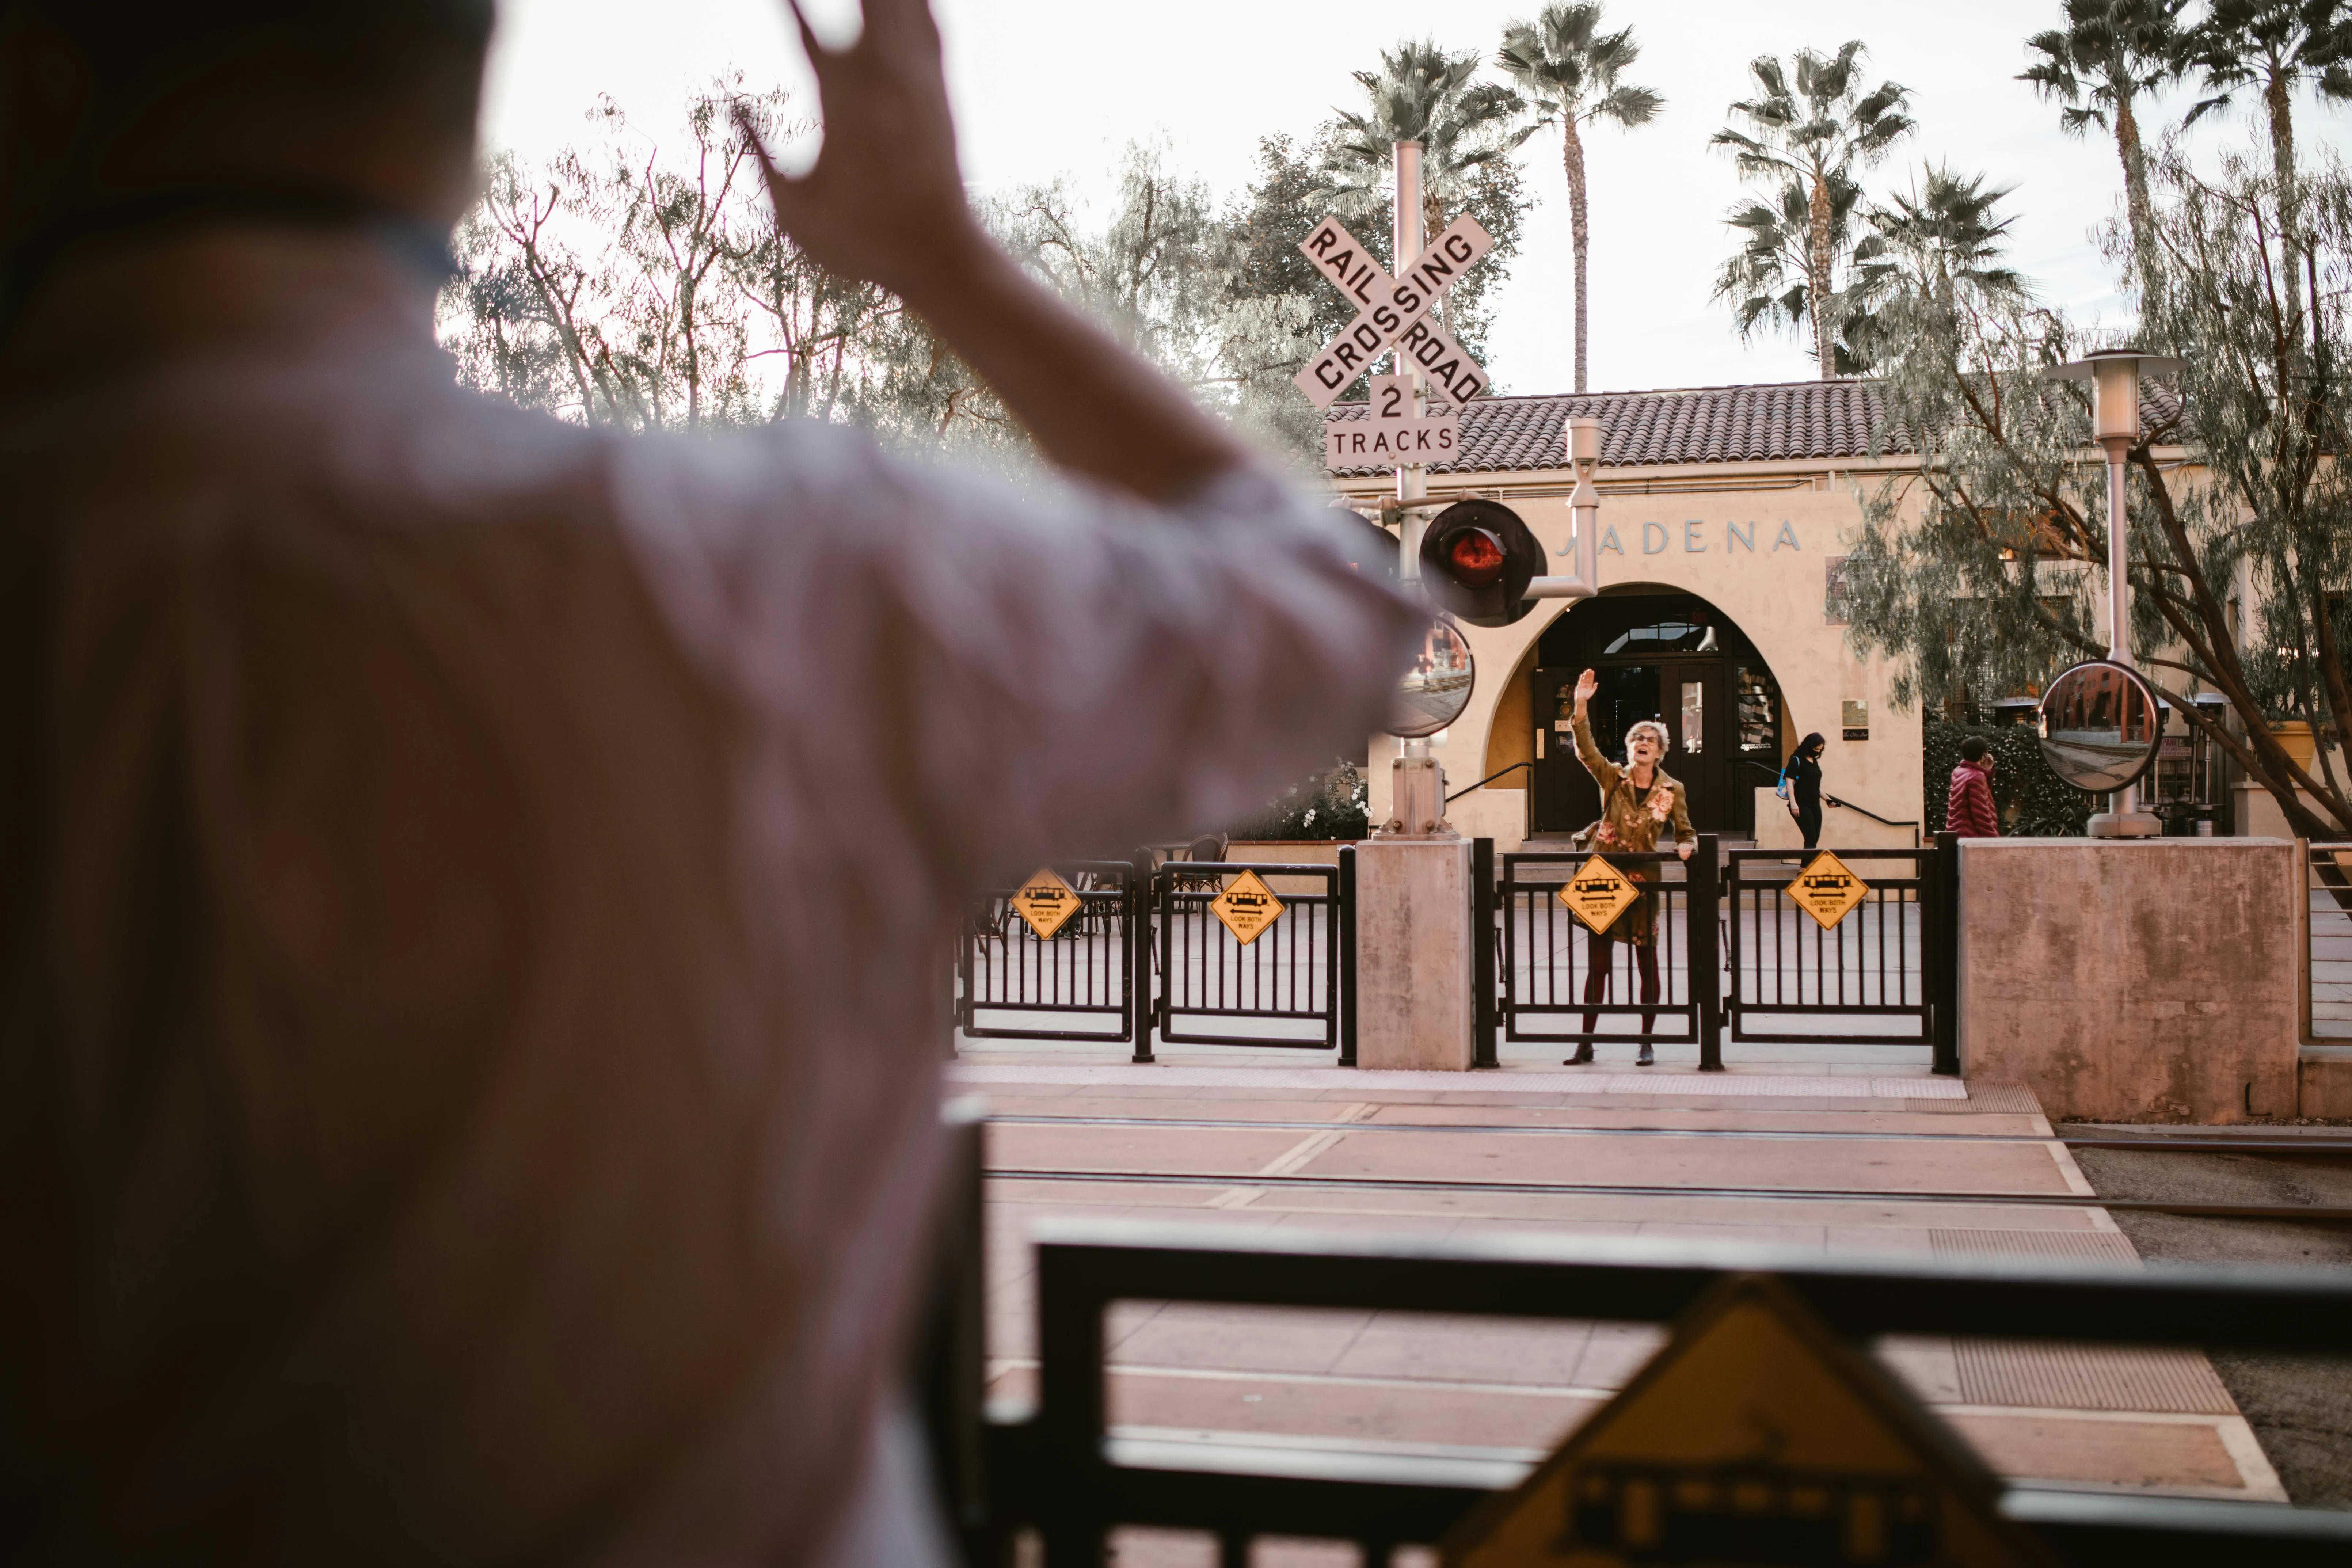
pixel 1967 809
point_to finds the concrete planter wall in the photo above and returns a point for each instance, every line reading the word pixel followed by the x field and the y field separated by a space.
pixel 2156 981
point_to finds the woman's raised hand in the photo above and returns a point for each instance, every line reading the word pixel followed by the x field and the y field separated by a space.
pixel 1586 685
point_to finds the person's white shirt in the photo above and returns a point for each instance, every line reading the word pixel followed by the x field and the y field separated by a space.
pixel 476 901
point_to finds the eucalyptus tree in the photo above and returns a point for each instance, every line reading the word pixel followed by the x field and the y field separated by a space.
pixel 1568 69
pixel 1977 568
pixel 1811 121
pixel 1425 94
pixel 2110 56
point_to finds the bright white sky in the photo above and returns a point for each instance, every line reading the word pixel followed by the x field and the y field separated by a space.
pixel 1048 88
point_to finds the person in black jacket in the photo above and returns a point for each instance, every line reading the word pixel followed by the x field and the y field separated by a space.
pixel 1803 777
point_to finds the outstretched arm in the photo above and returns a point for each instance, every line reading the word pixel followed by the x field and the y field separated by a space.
pixel 885 202
pixel 1603 770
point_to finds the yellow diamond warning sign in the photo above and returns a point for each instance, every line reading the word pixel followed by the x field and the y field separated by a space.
pixel 1247 906
pixel 1598 894
pixel 1045 901
pixel 1754 1437
pixel 1827 891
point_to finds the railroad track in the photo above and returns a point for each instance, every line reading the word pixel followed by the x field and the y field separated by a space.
pixel 2232 1144
pixel 2236 1144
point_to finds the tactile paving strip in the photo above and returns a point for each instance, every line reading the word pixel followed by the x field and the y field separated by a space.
pixel 1984 1099
pixel 2089 1377
pixel 2108 1245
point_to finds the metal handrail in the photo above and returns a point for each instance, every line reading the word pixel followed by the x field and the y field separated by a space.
pixel 1829 799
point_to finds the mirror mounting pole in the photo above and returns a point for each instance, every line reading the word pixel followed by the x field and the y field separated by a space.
pixel 1584 507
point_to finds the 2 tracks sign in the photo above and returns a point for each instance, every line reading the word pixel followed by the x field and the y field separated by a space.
pixel 1391 310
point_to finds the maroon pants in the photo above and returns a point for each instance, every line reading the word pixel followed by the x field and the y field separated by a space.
pixel 1600 953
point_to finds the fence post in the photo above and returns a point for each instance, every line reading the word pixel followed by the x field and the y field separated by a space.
pixel 1140 1013
pixel 1482 954
pixel 1943 936
pixel 1343 939
pixel 1703 881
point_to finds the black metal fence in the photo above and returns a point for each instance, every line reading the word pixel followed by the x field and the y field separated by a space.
pixel 2327 943
pixel 1281 989
pixel 1868 978
pixel 1560 982
pixel 1145 955
pixel 1077 985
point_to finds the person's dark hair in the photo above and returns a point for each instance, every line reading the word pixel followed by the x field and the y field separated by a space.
pixel 124 40
pixel 1811 745
pixel 1973 749
pixel 314 111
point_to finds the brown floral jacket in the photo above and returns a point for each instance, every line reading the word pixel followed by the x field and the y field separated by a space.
pixel 1630 821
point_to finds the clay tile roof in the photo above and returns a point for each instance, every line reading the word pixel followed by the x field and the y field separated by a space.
pixel 1691 424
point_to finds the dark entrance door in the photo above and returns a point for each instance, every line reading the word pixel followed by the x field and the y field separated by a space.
pixel 1670 657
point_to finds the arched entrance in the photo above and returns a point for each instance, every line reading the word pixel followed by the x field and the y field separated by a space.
pixel 1665 655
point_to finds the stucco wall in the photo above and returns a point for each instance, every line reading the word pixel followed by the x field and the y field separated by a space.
pixel 2154 981
pixel 1762 557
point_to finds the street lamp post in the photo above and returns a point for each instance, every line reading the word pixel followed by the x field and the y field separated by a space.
pixel 2113 375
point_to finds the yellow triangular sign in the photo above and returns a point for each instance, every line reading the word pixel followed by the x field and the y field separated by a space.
pixel 1754 1437
pixel 1247 906
pixel 1045 901
pixel 1598 894
pixel 1827 889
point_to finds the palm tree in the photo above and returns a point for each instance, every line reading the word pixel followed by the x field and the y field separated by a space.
pixel 1812 124
pixel 2279 45
pixel 1422 93
pixel 1768 279
pixel 1939 246
pixel 1567 68
pixel 2108 56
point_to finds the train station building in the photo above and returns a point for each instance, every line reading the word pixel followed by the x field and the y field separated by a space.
pixel 1726 514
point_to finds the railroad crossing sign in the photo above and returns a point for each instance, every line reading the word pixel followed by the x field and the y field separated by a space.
pixel 1391 310
pixel 1598 894
pixel 1754 1437
pixel 1827 891
pixel 1045 901
pixel 1247 906
pixel 1393 433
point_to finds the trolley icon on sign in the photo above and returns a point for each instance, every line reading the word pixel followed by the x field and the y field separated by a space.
pixel 1651 1513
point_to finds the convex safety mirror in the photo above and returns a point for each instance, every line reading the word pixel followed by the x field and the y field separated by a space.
pixel 1435 691
pixel 2100 726
pixel 1477 559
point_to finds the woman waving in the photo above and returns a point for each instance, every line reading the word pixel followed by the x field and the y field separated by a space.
pixel 1637 800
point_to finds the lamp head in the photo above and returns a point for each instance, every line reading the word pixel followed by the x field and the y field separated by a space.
pixel 1584 444
pixel 2113 375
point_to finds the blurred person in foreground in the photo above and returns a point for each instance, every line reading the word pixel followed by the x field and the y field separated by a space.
pixel 474 890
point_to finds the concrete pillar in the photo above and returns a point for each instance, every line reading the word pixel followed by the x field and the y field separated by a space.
pixel 2154 980
pixel 1412 953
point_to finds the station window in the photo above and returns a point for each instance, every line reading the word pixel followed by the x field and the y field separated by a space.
pixel 1758 706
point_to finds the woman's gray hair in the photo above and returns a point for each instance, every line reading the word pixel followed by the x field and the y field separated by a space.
pixel 1666 741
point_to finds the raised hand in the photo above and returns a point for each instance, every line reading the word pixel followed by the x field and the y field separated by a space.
pixel 1586 685
pixel 884 201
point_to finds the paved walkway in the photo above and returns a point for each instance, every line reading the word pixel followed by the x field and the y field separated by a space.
pixel 1832 1148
